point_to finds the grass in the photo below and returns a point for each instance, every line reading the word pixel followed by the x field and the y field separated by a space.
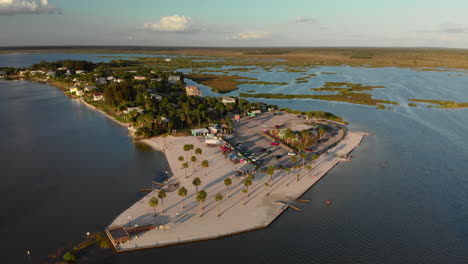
pixel 343 96
pixel 440 103
pixel 341 86
pixel 226 83
pixel 298 57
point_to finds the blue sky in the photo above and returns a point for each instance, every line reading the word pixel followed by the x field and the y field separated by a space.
pixel 409 23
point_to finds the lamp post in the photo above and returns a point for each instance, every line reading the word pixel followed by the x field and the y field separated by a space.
pixel 129 219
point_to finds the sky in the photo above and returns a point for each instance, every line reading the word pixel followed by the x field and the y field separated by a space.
pixel 235 23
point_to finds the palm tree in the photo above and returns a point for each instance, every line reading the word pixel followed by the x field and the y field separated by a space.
pixel 246 192
pixel 270 171
pixel 298 176
pixel 162 195
pixel 186 148
pixel 315 157
pixel 201 197
pixel 153 202
pixel 193 159
pixel 205 164
pixel 227 182
pixel 182 192
pixel 196 182
pixel 309 168
pixel 247 183
pixel 267 185
pixel 303 157
pixel 191 146
pixel 185 166
pixel 181 159
pixel 321 132
pixel 293 159
pixel 219 198
pixel 198 151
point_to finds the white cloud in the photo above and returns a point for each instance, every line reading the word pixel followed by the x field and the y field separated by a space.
pixel 13 7
pixel 298 20
pixel 250 35
pixel 173 23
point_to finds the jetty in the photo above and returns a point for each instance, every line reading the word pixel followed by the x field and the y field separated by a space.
pixel 238 211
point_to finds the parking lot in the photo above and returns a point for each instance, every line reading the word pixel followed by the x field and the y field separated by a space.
pixel 249 136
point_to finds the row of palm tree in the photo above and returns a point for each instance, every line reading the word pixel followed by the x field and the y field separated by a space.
pixel 202 195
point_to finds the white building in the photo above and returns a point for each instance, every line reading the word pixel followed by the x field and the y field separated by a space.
pixel 98 97
pixel 228 100
pixel 80 72
pixel 139 78
pixel 101 80
pixel 173 79
pixel 110 78
pixel 2 74
pixel 168 59
pixel 131 109
pixel 119 80
pixel 89 88
pixel 192 91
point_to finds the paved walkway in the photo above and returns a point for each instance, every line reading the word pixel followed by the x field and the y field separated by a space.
pixel 239 213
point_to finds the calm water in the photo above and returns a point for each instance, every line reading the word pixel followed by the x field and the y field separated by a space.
pixel 403 199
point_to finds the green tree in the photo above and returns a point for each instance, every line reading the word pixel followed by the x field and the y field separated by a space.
pixel 153 202
pixel 219 198
pixel 201 197
pixel 182 192
pixel 185 166
pixel 198 151
pixel 270 171
pixel 308 168
pixel 247 183
pixel 293 158
pixel 181 159
pixel 69 257
pixel 322 132
pixel 162 195
pixel 205 164
pixel 193 159
pixel 303 157
pixel 186 148
pixel 227 182
pixel 196 182
pixel 298 176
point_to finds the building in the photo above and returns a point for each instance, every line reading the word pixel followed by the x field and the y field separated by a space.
pixel 80 72
pixel 79 93
pixel 98 97
pixel 89 88
pixel 119 80
pixel 2 74
pixel 155 79
pixel 173 79
pixel 101 80
pixel 131 109
pixel 50 73
pixel 199 131
pixel 74 89
pixel 23 73
pixel 139 78
pixel 156 96
pixel 168 59
pixel 110 78
pixel 192 91
pixel 228 100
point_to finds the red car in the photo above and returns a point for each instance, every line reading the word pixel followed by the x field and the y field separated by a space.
pixel 274 143
pixel 309 149
pixel 263 150
pixel 276 126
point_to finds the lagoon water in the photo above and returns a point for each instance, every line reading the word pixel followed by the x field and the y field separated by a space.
pixel 67 170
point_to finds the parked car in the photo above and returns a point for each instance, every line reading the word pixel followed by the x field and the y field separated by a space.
pixel 309 149
pixel 277 126
pixel 263 150
pixel 278 157
pixel 292 154
pixel 274 143
pixel 269 152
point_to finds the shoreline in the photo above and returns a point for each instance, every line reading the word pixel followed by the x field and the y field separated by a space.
pixel 259 210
